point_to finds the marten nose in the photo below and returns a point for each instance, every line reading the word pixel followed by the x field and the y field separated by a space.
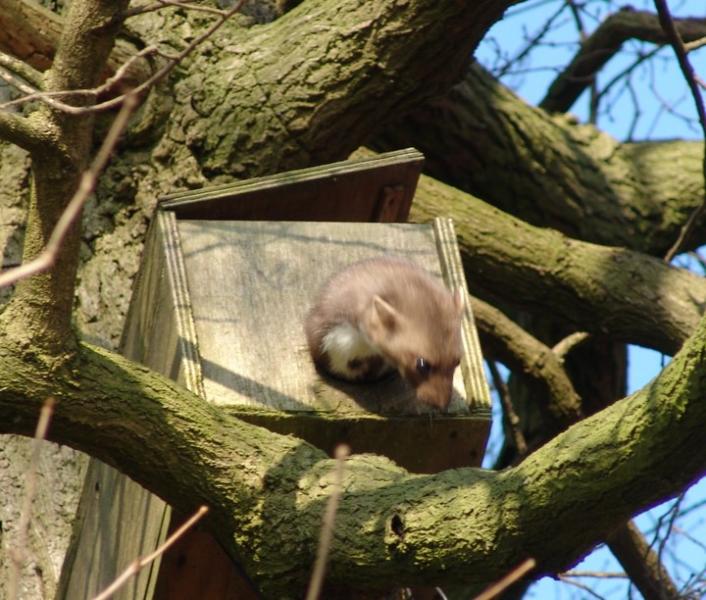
pixel 436 392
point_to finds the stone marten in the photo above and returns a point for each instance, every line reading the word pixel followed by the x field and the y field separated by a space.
pixel 387 313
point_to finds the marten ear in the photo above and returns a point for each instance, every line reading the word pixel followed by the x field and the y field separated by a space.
pixel 458 301
pixel 383 316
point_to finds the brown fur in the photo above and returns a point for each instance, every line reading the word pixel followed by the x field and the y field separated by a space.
pixel 403 312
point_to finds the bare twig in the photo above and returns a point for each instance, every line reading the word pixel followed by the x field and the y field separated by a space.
pixel 140 10
pixel 104 88
pixel 140 563
pixel 18 83
pixel 18 553
pixel 515 575
pixel 581 586
pixel 137 91
pixel 602 45
pixel 511 417
pixel 674 512
pixel 642 564
pixel 563 347
pixel 688 536
pixel 641 58
pixel 595 574
pixel 675 40
pixel 86 186
pixel 21 69
pixel 317 575
pixel 530 43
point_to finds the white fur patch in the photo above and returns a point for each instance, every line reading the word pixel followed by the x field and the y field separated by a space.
pixel 343 344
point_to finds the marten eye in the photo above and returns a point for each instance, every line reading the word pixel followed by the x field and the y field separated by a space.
pixel 423 366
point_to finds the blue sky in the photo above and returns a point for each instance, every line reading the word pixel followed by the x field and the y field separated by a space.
pixel 654 104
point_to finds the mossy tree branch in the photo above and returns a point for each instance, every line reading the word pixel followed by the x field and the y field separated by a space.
pixel 41 307
pixel 550 171
pixel 630 296
pixel 301 111
pixel 523 353
pixel 267 492
pixel 19 130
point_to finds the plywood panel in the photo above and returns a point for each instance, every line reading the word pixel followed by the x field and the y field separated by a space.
pixel 378 188
pixel 251 284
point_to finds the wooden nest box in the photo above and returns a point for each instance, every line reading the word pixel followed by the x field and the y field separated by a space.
pixel 228 273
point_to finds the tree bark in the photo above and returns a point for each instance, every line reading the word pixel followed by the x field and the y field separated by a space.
pixel 255 102
pixel 551 171
pixel 631 297
pixel 268 492
pixel 40 311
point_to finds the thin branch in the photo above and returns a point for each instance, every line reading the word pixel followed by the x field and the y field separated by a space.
pixel 530 43
pixel 17 554
pixel 673 515
pixel 118 77
pixel 86 186
pixel 140 563
pixel 675 39
pixel 173 62
pixel 145 85
pixel 21 69
pixel 19 84
pixel 641 563
pixel 138 90
pixel 524 353
pixel 563 347
pixel 317 576
pixel 641 58
pixel 18 130
pixel 595 574
pixel 511 417
pixel 141 10
pixel 603 44
pixel 513 576
pixel 580 586
pixel 688 536
pixel 696 44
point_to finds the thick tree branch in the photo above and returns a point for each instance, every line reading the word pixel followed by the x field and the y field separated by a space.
pixel 604 43
pixel 40 310
pixel 633 297
pixel 525 354
pixel 268 492
pixel 552 172
pixel 642 564
pixel 321 120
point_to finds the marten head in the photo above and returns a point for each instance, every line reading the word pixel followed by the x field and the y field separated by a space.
pixel 420 333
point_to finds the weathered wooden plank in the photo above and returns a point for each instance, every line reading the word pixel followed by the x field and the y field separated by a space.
pixel 251 284
pixel 378 188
